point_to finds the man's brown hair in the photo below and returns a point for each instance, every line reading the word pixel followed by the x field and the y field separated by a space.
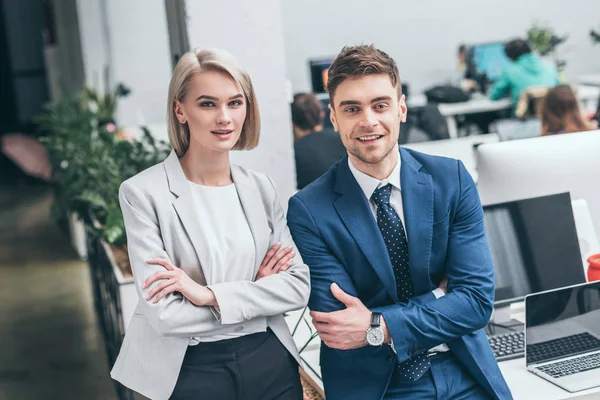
pixel 306 111
pixel 357 61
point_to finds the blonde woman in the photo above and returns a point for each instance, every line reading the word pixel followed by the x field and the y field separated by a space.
pixel 214 264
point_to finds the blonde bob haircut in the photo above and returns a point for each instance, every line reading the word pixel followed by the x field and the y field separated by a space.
pixel 203 60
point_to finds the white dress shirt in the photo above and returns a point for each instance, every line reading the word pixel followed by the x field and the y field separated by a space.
pixel 231 247
pixel 368 184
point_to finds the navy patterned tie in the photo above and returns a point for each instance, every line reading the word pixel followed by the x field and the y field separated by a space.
pixel 395 240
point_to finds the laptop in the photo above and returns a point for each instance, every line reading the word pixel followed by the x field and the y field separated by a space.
pixel 562 336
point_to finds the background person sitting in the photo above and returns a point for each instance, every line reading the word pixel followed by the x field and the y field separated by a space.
pixel 526 70
pixel 559 112
pixel 316 149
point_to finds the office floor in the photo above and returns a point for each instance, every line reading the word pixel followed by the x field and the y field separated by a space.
pixel 51 346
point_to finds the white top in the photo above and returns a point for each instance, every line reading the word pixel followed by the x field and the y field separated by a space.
pixel 231 246
pixel 368 184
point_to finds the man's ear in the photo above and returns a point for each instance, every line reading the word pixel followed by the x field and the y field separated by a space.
pixel 332 117
pixel 402 109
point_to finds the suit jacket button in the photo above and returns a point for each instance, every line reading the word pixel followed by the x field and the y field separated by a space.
pixel 390 358
pixel 239 329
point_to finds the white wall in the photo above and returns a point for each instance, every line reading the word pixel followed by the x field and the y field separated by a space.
pixel 94 46
pixel 131 38
pixel 423 36
pixel 254 34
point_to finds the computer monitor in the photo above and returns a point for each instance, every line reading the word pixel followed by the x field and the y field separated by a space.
pixel 318 73
pixel 540 166
pixel 534 246
pixel 489 59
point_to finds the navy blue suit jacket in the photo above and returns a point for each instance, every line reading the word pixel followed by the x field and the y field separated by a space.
pixel 334 229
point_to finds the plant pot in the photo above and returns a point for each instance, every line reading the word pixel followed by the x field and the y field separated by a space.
pixel 78 235
pixel 310 388
pixel 593 273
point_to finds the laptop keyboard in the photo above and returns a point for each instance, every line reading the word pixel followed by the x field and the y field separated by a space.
pixel 507 346
pixel 572 366
pixel 566 346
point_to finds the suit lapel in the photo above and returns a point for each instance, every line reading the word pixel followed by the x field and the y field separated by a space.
pixel 353 208
pixel 185 207
pixel 417 201
pixel 186 210
pixel 255 213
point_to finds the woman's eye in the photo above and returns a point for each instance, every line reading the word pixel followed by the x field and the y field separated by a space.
pixel 207 104
pixel 236 103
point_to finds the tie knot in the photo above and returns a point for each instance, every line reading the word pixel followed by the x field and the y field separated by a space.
pixel 381 196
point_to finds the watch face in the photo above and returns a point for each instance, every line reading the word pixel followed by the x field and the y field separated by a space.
pixel 375 336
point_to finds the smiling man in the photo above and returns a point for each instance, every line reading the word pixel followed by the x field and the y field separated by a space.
pixel 381 231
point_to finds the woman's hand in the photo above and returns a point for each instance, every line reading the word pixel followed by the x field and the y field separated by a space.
pixel 176 280
pixel 276 260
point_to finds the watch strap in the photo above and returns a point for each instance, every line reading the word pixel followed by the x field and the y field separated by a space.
pixel 375 319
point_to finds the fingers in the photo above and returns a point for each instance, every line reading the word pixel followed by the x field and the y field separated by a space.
pixel 278 257
pixel 342 296
pixel 284 263
pixel 325 329
pixel 270 254
pixel 156 276
pixel 161 261
pixel 328 337
pixel 169 289
pixel 159 287
pixel 320 317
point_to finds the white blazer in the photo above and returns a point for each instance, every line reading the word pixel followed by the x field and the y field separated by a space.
pixel 161 222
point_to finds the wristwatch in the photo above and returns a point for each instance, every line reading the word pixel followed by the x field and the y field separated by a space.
pixel 375 335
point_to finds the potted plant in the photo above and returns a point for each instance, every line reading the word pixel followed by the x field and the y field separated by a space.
pixel 595 36
pixel 544 40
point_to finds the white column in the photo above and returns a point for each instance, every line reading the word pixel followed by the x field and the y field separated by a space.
pixel 253 32
pixel 130 38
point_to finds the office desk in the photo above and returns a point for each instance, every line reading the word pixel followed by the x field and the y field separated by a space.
pixel 523 384
pixel 460 148
pixel 480 103
pixel 588 97
pixel 590 79
pixel 527 386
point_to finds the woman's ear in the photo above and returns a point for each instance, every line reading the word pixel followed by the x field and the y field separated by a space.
pixel 179 113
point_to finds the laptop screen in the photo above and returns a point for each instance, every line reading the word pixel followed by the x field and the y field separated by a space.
pixel 562 323
pixel 534 246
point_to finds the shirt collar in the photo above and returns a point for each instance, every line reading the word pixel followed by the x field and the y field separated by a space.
pixel 368 184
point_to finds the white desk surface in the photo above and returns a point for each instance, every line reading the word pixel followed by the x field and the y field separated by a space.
pixel 478 103
pixel 459 148
pixel 526 386
pixel 590 79
pixel 481 103
pixel 523 384
pixel 588 92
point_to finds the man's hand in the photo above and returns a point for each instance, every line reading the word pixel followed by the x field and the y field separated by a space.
pixel 345 329
pixel 444 285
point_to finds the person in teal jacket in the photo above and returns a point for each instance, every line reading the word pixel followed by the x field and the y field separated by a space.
pixel 526 70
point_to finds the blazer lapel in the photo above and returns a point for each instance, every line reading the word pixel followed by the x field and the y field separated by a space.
pixel 255 213
pixel 353 208
pixel 417 201
pixel 186 210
